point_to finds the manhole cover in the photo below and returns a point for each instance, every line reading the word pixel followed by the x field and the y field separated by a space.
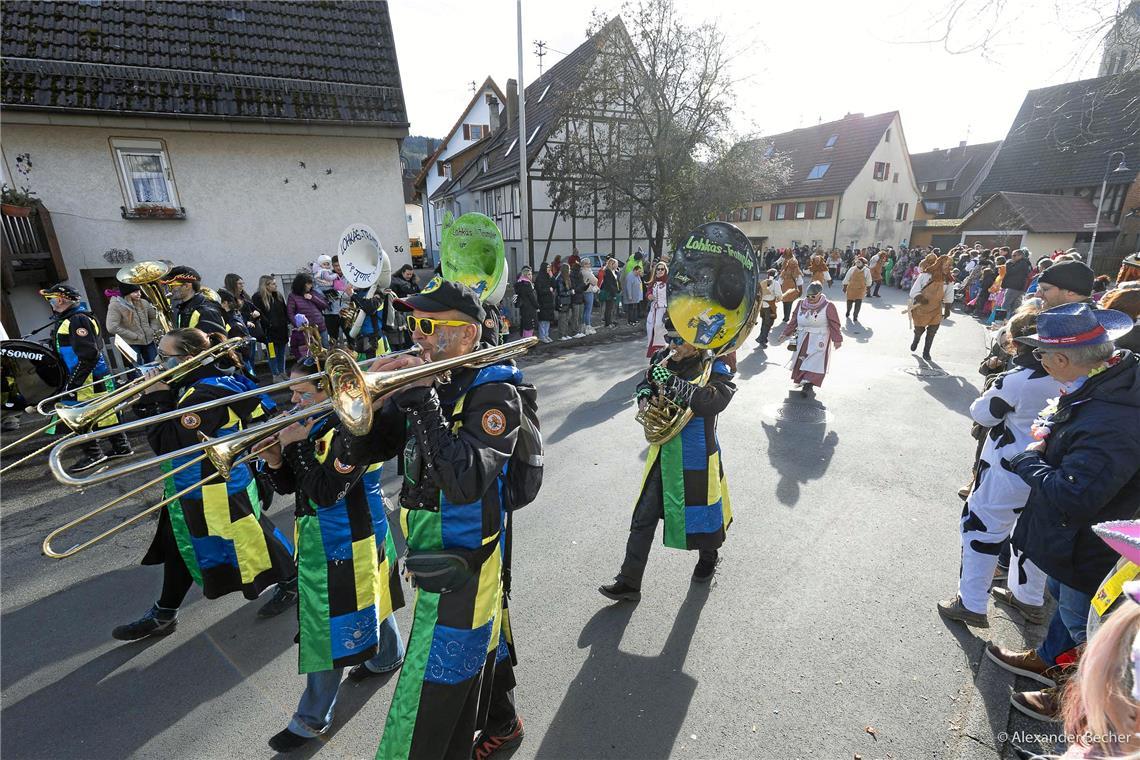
pixel 797 412
pixel 925 372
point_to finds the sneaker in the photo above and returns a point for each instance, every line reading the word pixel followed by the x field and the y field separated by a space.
pixel 88 462
pixel 487 744
pixel 119 453
pixel 362 672
pixel 287 741
pixel 284 598
pixel 1044 705
pixel 148 625
pixel 1025 663
pixel 565 337
pixel 704 571
pixel 1033 613
pixel 548 339
pixel 619 591
pixel 580 335
pixel 953 609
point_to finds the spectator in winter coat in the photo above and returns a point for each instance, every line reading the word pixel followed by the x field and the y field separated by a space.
pixel 309 303
pixel 274 321
pixel 632 293
pixel 563 302
pixel 526 301
pixel 1084 468
pixel 135 320
pixel 1016 278
pixel 609 287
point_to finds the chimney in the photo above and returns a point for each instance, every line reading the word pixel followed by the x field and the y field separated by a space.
pixel 493 108
pixel 512 101
pixel 962 144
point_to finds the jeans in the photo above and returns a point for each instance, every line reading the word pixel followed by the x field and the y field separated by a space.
pixel 765 327
pixel 564 323
pixel 1067 628
pixel 315 711
pixel 276 351
pixel 608 316
pixel 543 329
pixel 576 318
pixel 588 310
pixel 147 353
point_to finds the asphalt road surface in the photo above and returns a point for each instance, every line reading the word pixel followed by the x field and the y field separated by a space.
pixel 818 637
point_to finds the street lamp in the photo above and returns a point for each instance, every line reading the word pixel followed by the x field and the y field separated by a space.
pixel 1121 167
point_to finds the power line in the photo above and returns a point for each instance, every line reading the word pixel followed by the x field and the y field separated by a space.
pixel 540 51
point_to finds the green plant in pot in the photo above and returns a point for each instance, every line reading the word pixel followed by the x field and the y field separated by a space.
pixel 19 201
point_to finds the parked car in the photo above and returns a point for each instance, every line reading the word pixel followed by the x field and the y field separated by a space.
pixel 598 260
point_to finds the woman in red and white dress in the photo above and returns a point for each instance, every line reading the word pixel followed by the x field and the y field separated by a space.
pixel 815 323
pixel 657 296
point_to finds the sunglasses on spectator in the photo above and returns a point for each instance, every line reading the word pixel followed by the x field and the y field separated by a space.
pixel 1039 355
pixel 427 326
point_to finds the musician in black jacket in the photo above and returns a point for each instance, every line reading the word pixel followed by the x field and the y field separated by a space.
pixel 191 307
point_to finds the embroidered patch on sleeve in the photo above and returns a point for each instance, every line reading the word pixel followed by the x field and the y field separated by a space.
pixel 191 421
pixel 81 332
pixel 342 468
pixel 494 422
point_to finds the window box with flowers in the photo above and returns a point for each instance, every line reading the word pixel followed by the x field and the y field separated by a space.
pixel 153 211
pixel 147 179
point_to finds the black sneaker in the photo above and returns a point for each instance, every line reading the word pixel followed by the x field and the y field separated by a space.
pixel 89 462
pixel 287 741
pixel 362 672
pixel 118 453
pixel 148 625
pixel 487 744
pixel 619 591
pixel 704 571
pixel 284 598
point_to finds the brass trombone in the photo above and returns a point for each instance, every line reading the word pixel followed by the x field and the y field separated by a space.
pixel 352 394
pixel 82 417
pixel 39 408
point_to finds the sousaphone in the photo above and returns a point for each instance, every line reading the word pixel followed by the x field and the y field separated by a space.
pixel 365 266
pixel 471 252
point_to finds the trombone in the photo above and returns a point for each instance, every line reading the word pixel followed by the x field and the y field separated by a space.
pixel 352 394
pixel 62 446
pixel 39 408
pixel 81 418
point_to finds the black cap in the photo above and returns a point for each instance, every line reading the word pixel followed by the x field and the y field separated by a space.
pixel 183 274
pixel 59 289
pixel 126 288
pixel 1070 275
pixel 445 295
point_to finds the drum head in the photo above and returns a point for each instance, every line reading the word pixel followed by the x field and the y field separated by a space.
pixel 36 369
pixel 713 279
pixel 471 252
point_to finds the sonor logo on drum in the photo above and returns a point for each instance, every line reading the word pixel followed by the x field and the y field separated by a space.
pixel 21 355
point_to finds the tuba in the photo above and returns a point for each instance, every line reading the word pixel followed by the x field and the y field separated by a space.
pixel 365 265
pixel 713 303
pixel 471 253
pixel 146 274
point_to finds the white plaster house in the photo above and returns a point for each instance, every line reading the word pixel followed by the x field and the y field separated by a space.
pixel 255 132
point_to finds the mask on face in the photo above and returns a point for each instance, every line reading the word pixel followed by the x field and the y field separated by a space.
pixel 170 362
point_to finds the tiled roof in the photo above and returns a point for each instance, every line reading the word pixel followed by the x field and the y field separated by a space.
pixel 429 162
pixel 299 61
pixel 1063 135
pixel 855 137
pixel 543 103
pixel 1034 212
pixel 962 164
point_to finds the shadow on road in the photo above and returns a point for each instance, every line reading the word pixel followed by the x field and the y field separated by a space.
pixel 798 451
pixel 622 705
pixel 952 391
pixel 101 710
pixel 857 331
pixel 595 412
pixel 756 362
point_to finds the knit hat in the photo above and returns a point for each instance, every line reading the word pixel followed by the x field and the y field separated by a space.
pixel 1070 275
pixel 126 288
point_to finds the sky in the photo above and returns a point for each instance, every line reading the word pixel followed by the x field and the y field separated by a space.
pixel 795 65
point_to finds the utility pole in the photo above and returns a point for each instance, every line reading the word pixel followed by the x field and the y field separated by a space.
pixel 474 86
pixel 540 51
pixel 524 201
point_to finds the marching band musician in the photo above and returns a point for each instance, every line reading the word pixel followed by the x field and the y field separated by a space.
pixel 190 306
pixel 684 480
pixel 347 574
pixel 456 439
pixel 75 337
pixel 216 535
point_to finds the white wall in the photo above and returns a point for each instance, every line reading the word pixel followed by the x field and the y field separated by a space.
pixel 415 217
pixel 853 222
pixel 1043 244
pixel 241 215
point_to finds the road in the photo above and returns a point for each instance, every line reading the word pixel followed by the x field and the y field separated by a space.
pixel 817 639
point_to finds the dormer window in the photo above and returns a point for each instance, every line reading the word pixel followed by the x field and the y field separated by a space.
pixel 818 171
pixel 831 141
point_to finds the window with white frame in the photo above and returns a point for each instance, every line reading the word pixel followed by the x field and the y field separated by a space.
pixel 145 170
pixel 801 211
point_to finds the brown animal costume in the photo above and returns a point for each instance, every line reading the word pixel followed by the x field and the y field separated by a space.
pixel 790 273
pixel 1129 269
pixel 880 260
pixel 818 266
pixel 926 301
pixel 1126 298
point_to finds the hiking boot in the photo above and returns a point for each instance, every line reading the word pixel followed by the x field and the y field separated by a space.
pixel 705 570
pixel 1024 663
pixel 620 591
pixel 287 741
pixel 487 743
pixel 154 623
pixel 284 598
pixel 1043 705
pixel 1033 613
pixel 953 609
pixel 89 462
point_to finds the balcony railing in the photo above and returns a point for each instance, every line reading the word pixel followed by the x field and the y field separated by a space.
pixel 30 254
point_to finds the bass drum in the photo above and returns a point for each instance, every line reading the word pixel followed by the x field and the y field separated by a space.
pixel 36 370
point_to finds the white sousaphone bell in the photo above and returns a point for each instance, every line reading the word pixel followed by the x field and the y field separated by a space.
pixel 365 265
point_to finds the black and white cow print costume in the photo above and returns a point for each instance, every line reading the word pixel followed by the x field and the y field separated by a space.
pixel 1008 409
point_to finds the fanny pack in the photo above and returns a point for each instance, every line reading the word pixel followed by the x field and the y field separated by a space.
pixel 441 572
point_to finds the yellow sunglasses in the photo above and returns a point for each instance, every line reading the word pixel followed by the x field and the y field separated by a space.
pixel 427 326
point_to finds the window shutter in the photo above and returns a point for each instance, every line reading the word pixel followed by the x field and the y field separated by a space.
pixel 809 212
pixel 772 213
pixel 466 131
pixel 870 212
pixel 887 172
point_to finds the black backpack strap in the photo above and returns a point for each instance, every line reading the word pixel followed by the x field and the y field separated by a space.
pixel 508 534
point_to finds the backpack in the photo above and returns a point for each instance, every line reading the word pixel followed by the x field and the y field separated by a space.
pixel 524 469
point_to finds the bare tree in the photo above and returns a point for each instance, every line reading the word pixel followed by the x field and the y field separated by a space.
pixel 649 130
